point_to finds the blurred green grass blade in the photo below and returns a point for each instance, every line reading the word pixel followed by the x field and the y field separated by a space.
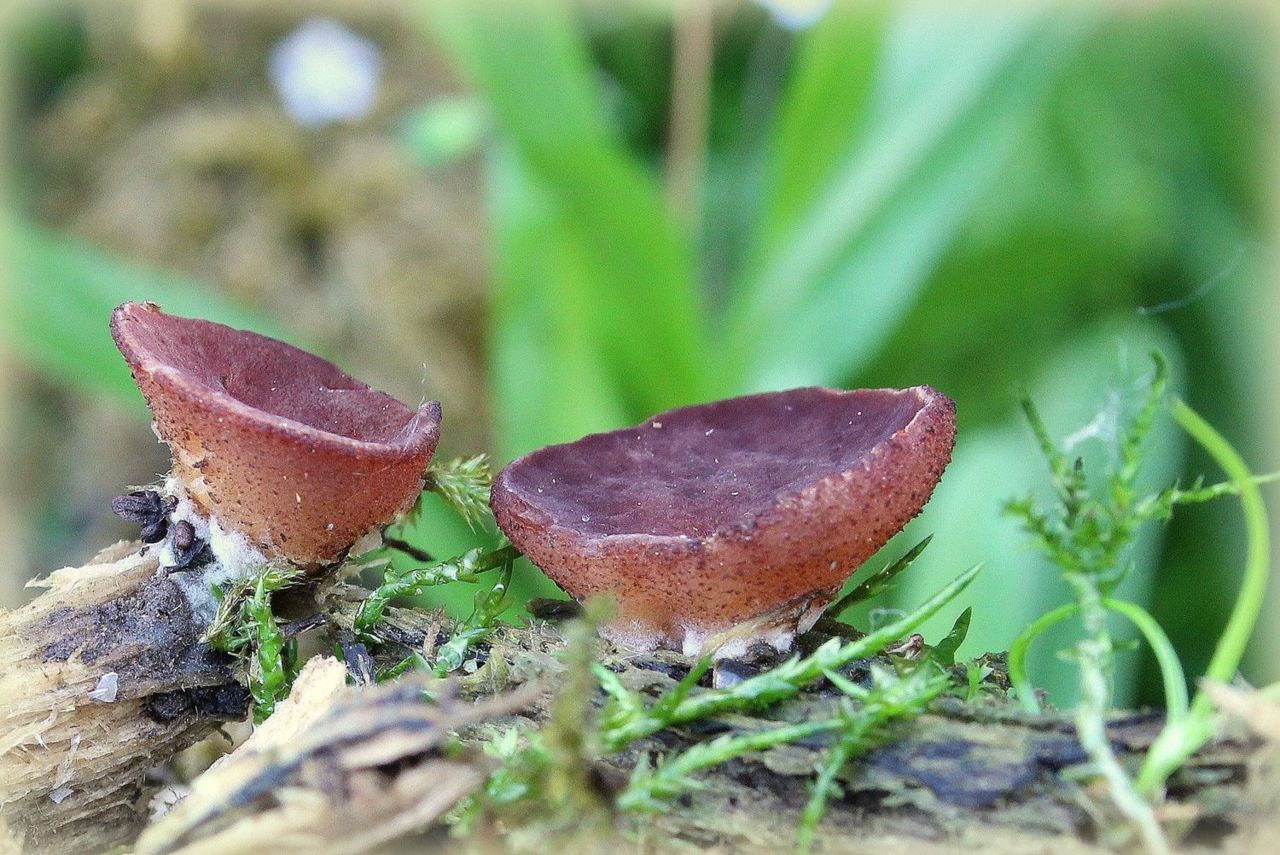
pixel 951 96
pixel 641 307
pixel 60 294
pixel 822 111
pixel 548 376
pixel 529 60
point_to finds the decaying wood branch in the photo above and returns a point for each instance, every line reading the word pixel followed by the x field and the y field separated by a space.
pixel 335 769
pixel 102 677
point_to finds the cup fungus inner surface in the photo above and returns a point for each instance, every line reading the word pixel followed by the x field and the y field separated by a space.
pixel 707 518
pixel 273 442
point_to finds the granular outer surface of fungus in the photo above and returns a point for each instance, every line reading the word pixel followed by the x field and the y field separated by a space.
pixel 271 442
pixel 721 525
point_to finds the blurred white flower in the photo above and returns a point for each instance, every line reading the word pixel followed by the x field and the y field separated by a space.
pixel 325 73
pixel 796 14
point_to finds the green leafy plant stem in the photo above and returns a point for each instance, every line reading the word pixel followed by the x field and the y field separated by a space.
pixel 890 698
pixel 1085 534
pixel 1184 735
pixel 1171 673
pixel 1095 654
pixel 413 581
pixel 245 622
pixel 824 787
pixel 781 682
pixel 671 778
pixel 272 679
pixel 489 606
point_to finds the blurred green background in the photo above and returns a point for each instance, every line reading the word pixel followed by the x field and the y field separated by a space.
pixel 562 218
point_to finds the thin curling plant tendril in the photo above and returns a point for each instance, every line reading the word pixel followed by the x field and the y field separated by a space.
pixel 1171 673
pixel 1086 532
pixel 1185 735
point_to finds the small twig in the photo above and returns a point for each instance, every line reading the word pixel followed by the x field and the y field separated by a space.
pixel 407 548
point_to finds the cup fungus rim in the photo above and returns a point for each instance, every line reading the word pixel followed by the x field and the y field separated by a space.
pixel 782 501
pixel 421 431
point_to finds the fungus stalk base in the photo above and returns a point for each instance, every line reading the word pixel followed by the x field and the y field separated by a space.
pixel 778 629
pixel 233 556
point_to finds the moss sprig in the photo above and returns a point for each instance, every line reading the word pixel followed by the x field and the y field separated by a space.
pixel 542 781
pixel 1088 535
pixel 413 581
pixel 463 484
pixel 879 582
pixel 650 788
pixel 628 717
pixel 864 725
pixel 245 626
pixel 479 625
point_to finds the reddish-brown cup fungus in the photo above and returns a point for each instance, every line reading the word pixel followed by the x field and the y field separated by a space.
pixel 271 442
pixel 725 524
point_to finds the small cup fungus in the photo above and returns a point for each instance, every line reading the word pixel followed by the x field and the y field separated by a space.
pixel 722 525
pixel 274 450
